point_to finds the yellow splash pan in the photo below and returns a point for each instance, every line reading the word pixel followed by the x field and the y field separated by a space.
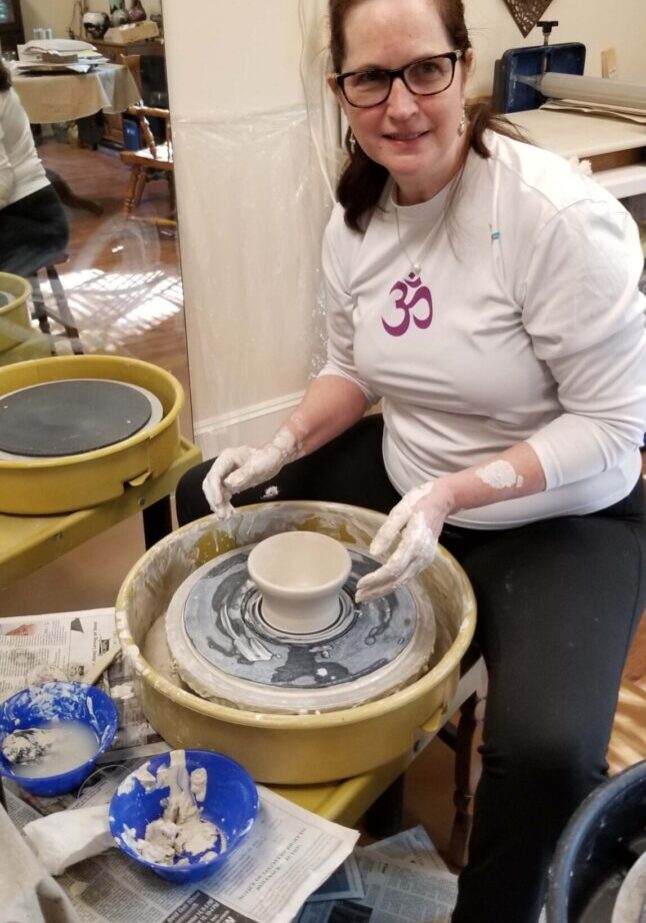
pixel 14 317
pixel 279 748
pixel 34 487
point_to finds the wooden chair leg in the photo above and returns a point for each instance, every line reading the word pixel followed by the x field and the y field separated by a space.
pixel 132 188
pixel 141 185
pixel 468 767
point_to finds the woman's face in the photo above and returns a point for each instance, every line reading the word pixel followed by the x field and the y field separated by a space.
pixel 416 138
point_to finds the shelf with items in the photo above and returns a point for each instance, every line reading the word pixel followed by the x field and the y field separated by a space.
pixel 113 51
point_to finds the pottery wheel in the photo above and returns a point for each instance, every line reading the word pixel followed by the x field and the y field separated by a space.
pixel 72 417
pixel 225 649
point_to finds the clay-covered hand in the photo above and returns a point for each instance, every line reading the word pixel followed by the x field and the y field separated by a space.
pixel 241 467
pixel 417 521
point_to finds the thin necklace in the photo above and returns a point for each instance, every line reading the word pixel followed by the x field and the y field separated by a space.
pixel 415 264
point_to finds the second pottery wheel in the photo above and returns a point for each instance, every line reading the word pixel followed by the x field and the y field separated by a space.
pixel 101 448
pixel 59 418
pixel 227 651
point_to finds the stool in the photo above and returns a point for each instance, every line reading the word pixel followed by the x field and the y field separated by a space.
pixel 62 313
pixel 384 817
pixel 465 739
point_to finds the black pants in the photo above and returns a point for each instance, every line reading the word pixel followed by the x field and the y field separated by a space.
pixel 32 231
pixel 558 601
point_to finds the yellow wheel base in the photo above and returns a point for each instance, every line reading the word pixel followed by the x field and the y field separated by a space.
pixel 14 316
pixel 33 487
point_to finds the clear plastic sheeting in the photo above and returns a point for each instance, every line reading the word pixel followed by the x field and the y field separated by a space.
pixel 322 108
pixel 253 204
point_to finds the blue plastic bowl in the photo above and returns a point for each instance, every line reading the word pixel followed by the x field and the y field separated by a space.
pixel 230 802
pixel 47 702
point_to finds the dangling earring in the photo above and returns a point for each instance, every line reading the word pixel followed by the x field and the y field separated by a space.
pixel 462 127
pixel 352 143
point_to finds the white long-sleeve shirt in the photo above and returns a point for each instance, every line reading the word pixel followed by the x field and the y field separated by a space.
pixel 525 323
pixel 21 171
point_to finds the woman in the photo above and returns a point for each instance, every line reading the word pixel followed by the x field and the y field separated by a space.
pixel 486 291
pixel 33 225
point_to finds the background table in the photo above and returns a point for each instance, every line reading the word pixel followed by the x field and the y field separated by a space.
pixel 64 97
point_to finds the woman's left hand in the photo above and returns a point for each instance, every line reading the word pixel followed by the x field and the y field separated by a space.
pixel 417 520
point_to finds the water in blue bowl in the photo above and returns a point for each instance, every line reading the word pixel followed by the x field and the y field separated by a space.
pixel 52 734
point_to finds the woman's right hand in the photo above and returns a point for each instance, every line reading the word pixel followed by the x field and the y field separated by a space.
pixel 331 404
pixel 241 467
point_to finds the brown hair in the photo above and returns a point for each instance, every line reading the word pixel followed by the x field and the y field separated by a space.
pixel 5 77
pixel 362 181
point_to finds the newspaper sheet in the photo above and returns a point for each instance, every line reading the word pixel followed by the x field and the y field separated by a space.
pixel 335 912
pixel 405 881
pixel 63 646
pixel 287 855
pixel 413 846
pixel 344 883
pixel 399 892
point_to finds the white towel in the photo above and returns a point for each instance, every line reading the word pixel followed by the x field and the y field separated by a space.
pixel 65 837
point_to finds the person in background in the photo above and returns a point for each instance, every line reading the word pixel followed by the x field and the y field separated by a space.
pixel 486 291
pixel 33 224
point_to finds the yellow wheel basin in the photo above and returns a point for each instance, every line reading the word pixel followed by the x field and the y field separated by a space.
pixel 288 749
pixel 15 319
pixel 40 486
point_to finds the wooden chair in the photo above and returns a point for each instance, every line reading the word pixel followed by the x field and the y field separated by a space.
pixel 627 746
pixel 384 817
pixel 465 738
pixel 153 160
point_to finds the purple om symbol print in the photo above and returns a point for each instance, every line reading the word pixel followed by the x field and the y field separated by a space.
pixel 410 286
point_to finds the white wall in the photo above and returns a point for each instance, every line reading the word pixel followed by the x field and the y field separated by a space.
pixel 57 14
pixel 54 14
pixel 597 24
pixel 233 57
pixel 249 352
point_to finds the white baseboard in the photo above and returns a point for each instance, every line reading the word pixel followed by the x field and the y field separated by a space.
pixel 251 425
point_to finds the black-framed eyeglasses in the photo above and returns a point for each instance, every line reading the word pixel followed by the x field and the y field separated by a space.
pixel 425 77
